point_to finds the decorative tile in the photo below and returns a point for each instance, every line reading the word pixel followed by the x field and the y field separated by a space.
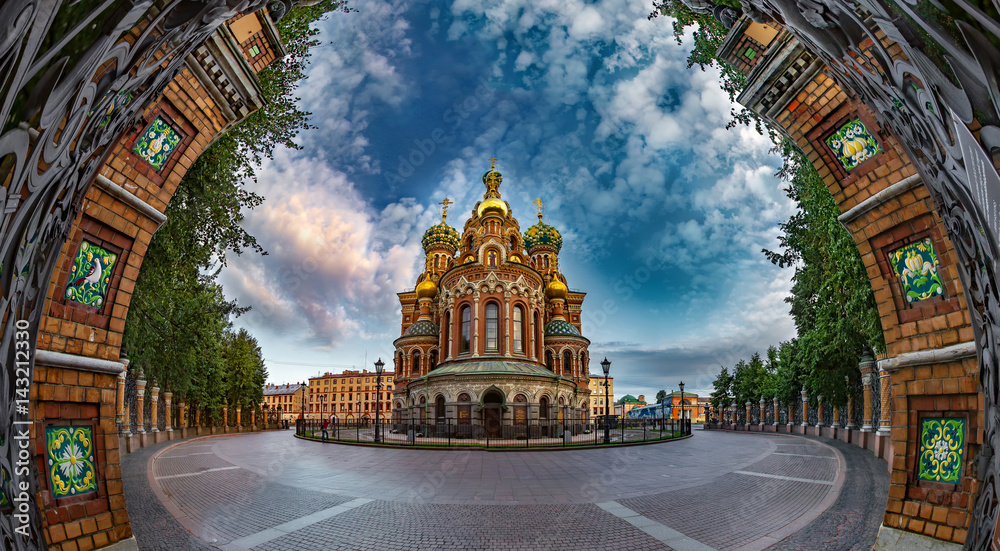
pixel 91 275
pixel 916 266
pixel 123 98
pixel 942 447
pixel 70 461
pixel 853 144
pixel 157 143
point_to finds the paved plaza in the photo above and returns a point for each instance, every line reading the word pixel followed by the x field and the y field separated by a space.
pixel 715 490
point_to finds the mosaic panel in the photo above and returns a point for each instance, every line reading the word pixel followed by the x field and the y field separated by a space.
pixel 942 447
pixel 69 455
pixel 91 275
pixel 157 143
pixel 853 144
pixel 122 99
pixel 916 266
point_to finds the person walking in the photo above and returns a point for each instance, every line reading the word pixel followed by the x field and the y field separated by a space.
pixel 326 423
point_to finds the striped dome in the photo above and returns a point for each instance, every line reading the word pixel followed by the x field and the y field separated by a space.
pixel 542 234
pixel 422 329
pixel 561 327
pixel 441 234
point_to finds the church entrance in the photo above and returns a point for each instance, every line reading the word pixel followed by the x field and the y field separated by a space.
pixel 492 402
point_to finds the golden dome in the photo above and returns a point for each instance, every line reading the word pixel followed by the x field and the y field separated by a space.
pixel 426 289
pixel 556 289
pixel 492 204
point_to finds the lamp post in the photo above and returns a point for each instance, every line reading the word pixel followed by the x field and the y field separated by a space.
pixel 606 366
pixel 302 414
pixel 379 365
pixel 681 385
pixel 322 402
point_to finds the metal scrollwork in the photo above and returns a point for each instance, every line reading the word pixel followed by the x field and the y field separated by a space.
pixel 59 120
pixel 928 79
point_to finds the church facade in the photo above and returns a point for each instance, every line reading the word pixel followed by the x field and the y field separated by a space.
pixel 490 342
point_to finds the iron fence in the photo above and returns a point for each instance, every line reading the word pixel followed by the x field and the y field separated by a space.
pixel 491 433
pixel 876 401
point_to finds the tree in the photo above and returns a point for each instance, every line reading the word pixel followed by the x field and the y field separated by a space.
pixel 723 384
pixel 244 369
pixel 661 395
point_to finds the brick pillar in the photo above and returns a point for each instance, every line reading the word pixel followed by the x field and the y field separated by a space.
pixel 140 393
pixel 851 413
pixel 154 398
pixel 225 415
pixel 886 407
pixel 167 414
pixel 197 416
pixel 867 365
pixel 239 411
pixel 836 417
pixel 805 407
pixel 747 420
pixel 732 412
pixel 761 420
pixel 182 411
pixel 777 417
pixel 120 414
pixel 819 411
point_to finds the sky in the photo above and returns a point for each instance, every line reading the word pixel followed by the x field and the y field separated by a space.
pixel 587 105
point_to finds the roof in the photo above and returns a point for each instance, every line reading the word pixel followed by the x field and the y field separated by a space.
pixel 561 327
pixel 278 390
pixel 485 367
pixel 685 395
pixel 422 328
pixel 629 399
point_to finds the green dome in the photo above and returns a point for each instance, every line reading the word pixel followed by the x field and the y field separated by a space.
pixel 561 327
pixel 542 234
pixel 422 329
pixel 441 234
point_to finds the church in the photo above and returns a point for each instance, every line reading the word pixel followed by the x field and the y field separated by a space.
pixel 491 342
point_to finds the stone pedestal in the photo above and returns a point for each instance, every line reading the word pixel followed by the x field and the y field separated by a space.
pixel 154 410
pixel 867 365
pixel 167 420
pixel 140 393
pixel 805 407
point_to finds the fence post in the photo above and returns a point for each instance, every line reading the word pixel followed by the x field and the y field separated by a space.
pixel 805 407
pixel 885 410
pixel 866 366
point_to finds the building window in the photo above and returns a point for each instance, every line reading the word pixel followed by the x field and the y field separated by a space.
pixel 491 327
pixel 567 362
pixel 464 340
pixel 518 330
pixel 549 361
pixel 415 368
pixel 254 50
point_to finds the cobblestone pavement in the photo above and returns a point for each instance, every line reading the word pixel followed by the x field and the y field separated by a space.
pixel 270 491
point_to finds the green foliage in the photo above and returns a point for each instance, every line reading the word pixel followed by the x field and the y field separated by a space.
pixel 661 395
pixel 723 384
pixel 177 329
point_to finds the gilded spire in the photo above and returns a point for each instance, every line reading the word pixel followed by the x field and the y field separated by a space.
pixel 538 203
pixel 444 209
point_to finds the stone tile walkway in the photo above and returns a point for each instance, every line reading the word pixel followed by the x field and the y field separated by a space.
pixel 271 491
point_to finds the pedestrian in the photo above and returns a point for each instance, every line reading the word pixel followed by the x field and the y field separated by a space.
pixel 326 423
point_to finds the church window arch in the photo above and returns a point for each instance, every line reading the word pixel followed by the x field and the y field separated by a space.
pixel 543 407
pixel 536 328
pixel 567 367
pixel 549 361
pixel 415 366
pixel 423 409
pixel 518 329
pixel 439 408
pixel 492 327
pixel 546 257
pixel 433 360
pixel 447 335
pixel 466 330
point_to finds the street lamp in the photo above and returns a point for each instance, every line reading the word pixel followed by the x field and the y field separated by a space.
pixel 379 365
pixel 606 366
pixel 322 402
pixel 681 385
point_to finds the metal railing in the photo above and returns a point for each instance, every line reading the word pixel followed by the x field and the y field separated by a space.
pixel 455 432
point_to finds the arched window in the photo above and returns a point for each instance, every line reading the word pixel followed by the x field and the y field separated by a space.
pixel 439 408
pixel 567 362
pixel 538 340
pixel 423 409
pixel 546 261
pixel 549 361
pixel 543 407
pixel 464 341
pixel 399 362
pixel 492 314
pixel 434 360
pixel 447 335
pixel 518 330
pixel 583 363
pixel 415 367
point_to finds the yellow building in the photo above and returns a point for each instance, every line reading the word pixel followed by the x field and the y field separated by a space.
pixel 597 393
pixel 289 397
pixel 348 394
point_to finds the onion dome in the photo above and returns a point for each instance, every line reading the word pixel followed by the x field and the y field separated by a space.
pixel 426 289
pixel 423 328
pixel 492 205
pixel 559 327
pixel 542 234
pixel 556 290
pixel 441 235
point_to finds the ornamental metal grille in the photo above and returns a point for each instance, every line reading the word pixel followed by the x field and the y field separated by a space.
pixel 783 414
pixel 813 415
pixel 161 414
pixel 768 414
pixel 796 408
pixel 754 414
pixel 876 399
pixel 828 415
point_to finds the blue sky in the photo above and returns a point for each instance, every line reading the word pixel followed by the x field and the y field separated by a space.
pixel 589 106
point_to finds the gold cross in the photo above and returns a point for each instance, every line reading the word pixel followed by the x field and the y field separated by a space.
pixel 493 163
pixel 538 202
pixel 444 209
